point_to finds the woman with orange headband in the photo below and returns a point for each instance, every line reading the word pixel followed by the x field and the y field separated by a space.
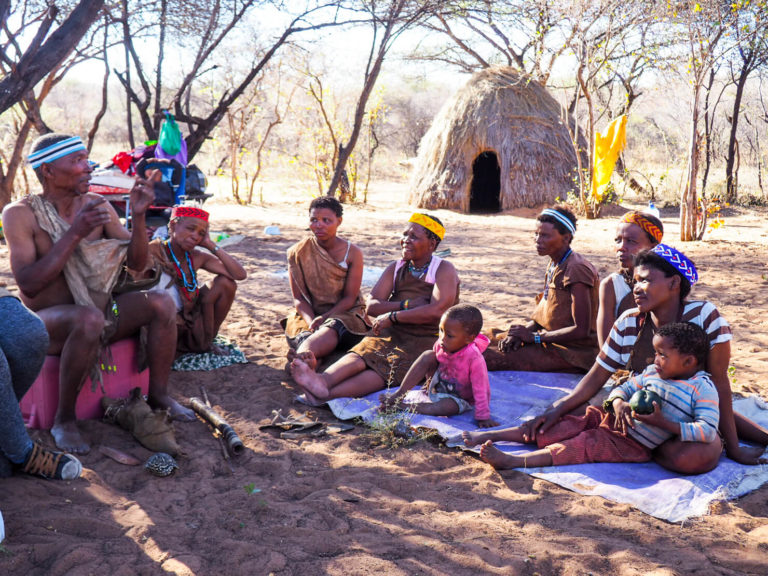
pixel 201 308
pixel 637 231
pixel 406 304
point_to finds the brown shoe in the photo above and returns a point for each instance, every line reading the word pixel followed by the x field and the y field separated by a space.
pixel 51 464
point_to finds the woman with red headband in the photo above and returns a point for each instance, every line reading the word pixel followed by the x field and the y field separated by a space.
pixel 201 307
pixel 406 305
pixel 637 231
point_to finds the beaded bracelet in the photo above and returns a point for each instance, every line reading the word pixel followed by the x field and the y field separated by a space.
pixel 393 317
pixel 537 338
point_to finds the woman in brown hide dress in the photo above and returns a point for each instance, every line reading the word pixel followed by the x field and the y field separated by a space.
pixel 561 335
pixel 406 304
pixel 325 273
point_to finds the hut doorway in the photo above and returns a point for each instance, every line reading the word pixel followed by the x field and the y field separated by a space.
pixel 485 189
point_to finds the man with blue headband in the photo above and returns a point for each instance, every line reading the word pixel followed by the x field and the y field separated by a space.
pixel 67 249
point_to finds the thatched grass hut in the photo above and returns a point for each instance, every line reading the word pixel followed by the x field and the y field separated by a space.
pixel 499 143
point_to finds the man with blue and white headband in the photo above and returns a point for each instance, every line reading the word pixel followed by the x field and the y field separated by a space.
pixel 67 249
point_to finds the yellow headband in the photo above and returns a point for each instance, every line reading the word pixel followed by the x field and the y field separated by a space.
pixel 432 225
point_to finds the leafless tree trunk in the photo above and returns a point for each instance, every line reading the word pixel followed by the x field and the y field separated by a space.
pixel 43 55
pixel 709 123
pixel 10 164
pixel 752 57
pixel 703 27
pixel 395 17
pixel 30 101
pixel 689 200
pixel 104 93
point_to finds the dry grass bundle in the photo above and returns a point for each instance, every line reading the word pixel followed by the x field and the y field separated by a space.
pixel 503 111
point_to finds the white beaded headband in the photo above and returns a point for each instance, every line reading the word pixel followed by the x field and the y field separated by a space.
pixel 560 218
pixel 55 151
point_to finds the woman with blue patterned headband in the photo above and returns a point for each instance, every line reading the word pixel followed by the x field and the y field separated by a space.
pixel 663 278
pixel 561 335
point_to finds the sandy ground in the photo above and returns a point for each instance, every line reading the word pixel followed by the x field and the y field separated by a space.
pixel 340 505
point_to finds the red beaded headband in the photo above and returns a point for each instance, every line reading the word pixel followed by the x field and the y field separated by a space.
pixel 188 212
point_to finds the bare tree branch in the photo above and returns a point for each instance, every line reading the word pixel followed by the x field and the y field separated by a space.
pixel 42 57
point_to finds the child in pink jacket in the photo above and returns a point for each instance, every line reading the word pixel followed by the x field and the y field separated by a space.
pixel 456 368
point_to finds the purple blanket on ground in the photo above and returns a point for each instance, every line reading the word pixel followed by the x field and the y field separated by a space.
pixel 518 396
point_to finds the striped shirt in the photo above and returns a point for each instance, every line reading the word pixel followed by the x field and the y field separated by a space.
pixel 618 346
pixel 693 403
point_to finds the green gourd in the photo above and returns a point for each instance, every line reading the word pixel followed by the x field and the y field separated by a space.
pixel 642 401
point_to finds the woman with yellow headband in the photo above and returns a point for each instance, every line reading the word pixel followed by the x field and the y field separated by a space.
pixel 637 231
pixel 406 304
pixel 561 335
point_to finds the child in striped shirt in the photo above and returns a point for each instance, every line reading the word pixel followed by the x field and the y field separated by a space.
pixel 615 433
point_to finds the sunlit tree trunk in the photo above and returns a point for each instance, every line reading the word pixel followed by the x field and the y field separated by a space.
pixel 688 201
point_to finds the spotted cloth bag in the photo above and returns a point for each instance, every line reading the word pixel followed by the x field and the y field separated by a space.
pixel 209 360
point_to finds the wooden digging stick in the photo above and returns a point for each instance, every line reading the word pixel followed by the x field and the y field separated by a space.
pixel 216 432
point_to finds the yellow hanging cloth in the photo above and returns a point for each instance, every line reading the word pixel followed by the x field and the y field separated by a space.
pixel 608 146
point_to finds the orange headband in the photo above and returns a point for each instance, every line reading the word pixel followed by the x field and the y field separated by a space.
pixel 645 224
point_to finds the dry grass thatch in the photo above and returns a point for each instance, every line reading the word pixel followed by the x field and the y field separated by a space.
pixel 500 110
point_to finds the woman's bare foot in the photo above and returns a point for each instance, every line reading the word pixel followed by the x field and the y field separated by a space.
pixel 475 438
pixel 309 358
pixel 496 458
pixel 68 438
pixel 308 379
pixel 176 410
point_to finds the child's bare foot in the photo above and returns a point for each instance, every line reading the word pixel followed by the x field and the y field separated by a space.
pixel 68 438
pixel 176 410
pixel 308 379
pixel 496 458
pixel 475 438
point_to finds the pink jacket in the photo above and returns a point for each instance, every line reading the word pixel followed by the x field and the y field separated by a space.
pixel 468 370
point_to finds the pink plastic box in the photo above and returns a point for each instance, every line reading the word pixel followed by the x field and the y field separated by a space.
pixel 38 407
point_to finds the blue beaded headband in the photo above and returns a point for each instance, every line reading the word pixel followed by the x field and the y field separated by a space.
pixel 679 260
pixel 560 218
pixel 55 151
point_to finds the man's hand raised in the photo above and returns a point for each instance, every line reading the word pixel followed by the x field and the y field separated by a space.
pixel 143 192
pixel 92 215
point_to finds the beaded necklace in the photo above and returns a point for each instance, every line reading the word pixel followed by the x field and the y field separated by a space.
pixel 551 271
pixel 190 288
pixel 418 272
